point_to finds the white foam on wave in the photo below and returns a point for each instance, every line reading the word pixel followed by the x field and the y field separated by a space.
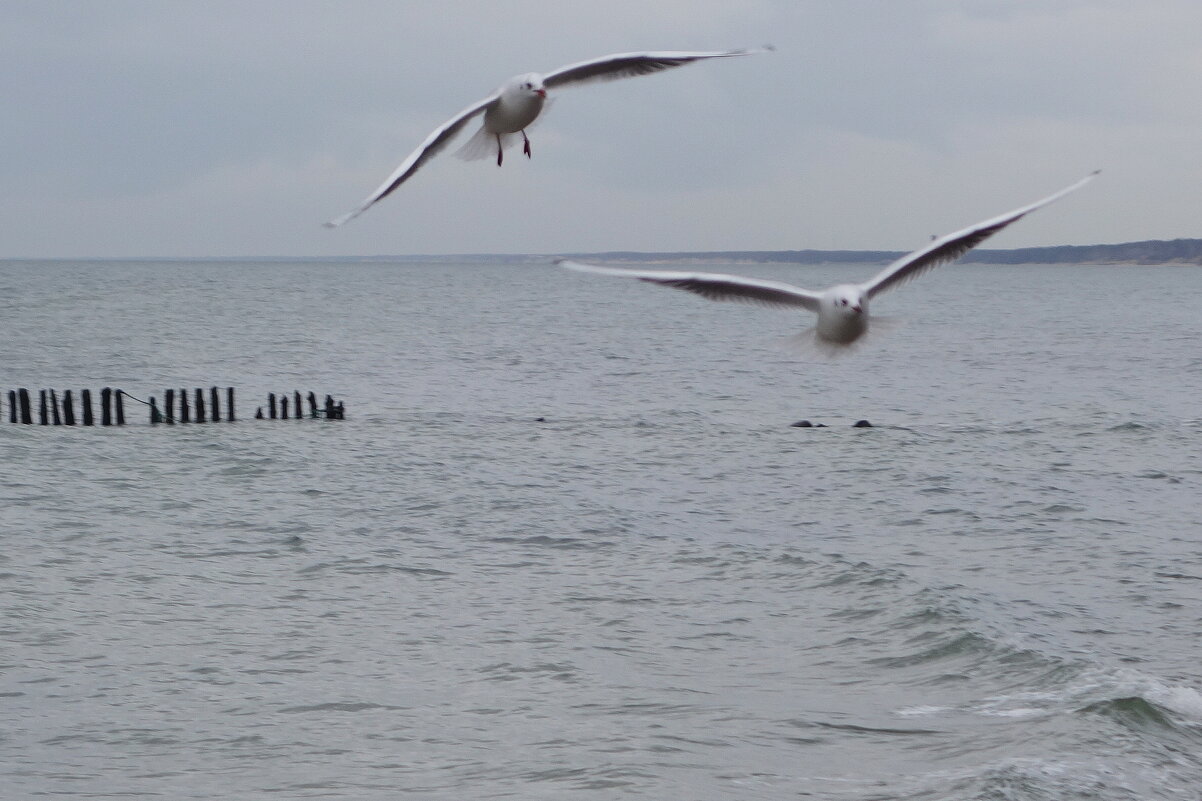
pixel 921 711
pixel 1018 712
pixel 1185 701
pixel 1088 688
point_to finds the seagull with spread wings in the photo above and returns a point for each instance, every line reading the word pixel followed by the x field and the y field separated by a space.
pixel 842 309
pixel 516 105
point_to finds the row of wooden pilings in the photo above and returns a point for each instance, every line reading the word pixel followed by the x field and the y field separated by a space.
pixel 20 409
pixel 177 407
pixel 278 407
pixel 192 414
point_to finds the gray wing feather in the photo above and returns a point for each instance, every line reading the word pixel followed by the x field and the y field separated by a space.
pixel 428 149
pixel 714 286
pixel 951 247
pixel 629 65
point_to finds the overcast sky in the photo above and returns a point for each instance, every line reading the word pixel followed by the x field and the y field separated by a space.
pixel 167 128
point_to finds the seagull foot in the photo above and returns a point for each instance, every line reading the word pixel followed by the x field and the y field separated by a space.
pixel 526 146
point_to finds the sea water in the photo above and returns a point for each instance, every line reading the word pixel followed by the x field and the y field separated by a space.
pixel 566 543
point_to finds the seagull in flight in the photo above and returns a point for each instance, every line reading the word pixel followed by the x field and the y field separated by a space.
pixel 516 104
pixel 842 309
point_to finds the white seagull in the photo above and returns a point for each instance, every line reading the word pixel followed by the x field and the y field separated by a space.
pixel 842 309
pixel 516 104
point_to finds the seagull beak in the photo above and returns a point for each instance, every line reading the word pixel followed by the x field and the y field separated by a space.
pixel 541 93
pixel 857 309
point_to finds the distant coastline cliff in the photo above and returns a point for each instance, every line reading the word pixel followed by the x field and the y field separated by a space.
pixel 1154 251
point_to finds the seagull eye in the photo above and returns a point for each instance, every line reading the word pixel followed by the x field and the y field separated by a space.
pixel 527 85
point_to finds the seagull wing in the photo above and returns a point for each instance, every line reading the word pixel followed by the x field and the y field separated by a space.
pixel 630 65
pixel 427 150
pixel 953 246
pixel 714 286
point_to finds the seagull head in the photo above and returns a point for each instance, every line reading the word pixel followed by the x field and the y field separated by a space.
pixel 848 300
pixel 530 84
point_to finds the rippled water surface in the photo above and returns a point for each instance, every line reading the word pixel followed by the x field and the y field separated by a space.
pixel 566 543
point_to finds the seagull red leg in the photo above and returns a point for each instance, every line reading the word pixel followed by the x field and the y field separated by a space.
pixel 525 144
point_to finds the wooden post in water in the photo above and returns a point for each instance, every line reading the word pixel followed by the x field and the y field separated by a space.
pixel 106 402
pixel 68 408
pixel 183 406
pixel 155 415
pixel 54 415
pixel 296 398
pixel 12 406
pixel 259 413
pixel 23 399
pixel 169 405
pixel 284 407
pixel 120 404
pixel 329 408
pixel 200 405
pixel 85 402
pixel 271 404
pixel 312 405
pixel 229 404
pixel 214 408
pixel 43 414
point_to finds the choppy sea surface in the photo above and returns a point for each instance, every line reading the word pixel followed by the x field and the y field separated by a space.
pixel 567 544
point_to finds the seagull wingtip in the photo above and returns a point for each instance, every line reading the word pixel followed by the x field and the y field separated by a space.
pixel 338 222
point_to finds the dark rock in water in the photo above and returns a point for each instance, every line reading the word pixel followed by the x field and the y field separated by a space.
pixel 802 424
pixel 861 424
pixel 540 419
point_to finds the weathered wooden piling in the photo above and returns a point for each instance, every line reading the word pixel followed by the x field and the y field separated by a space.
pixel 169 406
pixel 106 406
pixel 156 416
pixel 183 406
pixel 312 405
pixel 85 403
pixel 12 406
pixel 271 405
pixel 54 415
pixel 284 407
pixel 200 405
pixel 119 405
pixel 68 408
pixel 214 407
pixel 23 399
pixel 229 403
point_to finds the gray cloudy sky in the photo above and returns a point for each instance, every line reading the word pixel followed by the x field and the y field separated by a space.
pixel 234 128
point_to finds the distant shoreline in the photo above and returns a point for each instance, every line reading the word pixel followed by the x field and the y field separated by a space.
pixel 1145 253
pixel 1149 252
